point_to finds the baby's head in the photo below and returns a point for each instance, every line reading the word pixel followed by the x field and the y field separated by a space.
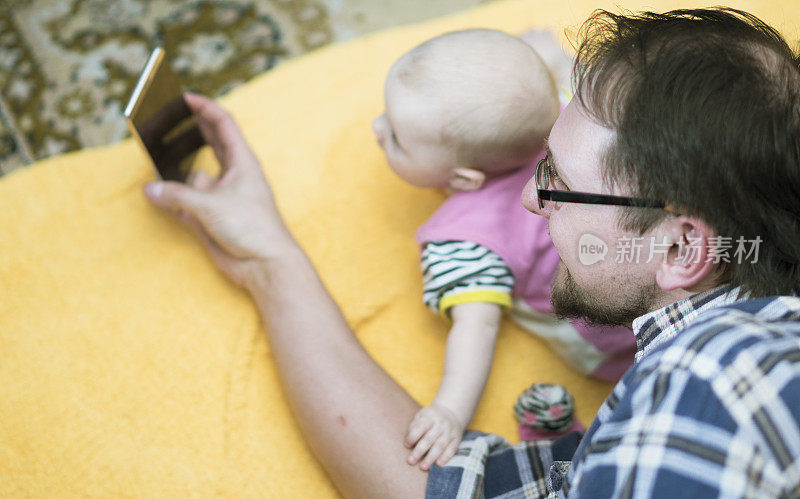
pixel 465 106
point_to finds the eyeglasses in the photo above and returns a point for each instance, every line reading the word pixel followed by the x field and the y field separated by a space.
pixel 544 172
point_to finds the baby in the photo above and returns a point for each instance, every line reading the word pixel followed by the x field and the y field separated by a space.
pixel 469 112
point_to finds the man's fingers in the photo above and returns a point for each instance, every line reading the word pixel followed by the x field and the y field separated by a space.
pixel 218 128
pixel 208 114
pixel 199 179
pixel 176 197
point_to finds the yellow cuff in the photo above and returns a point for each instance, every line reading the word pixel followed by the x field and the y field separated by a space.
pixel 478 295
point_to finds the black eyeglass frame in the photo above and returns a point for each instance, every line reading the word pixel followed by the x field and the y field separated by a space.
pixel 590 198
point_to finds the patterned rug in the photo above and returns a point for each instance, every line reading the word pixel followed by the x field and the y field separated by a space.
pixel 67 67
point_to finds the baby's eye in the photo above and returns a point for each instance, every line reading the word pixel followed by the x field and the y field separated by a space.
pixel 394 138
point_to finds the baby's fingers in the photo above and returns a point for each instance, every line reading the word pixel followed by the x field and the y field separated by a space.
pixel 416 429
pixel 423 445
pixel 436 451
pixel 449 452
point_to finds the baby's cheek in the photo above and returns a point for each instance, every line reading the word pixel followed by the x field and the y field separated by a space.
pixel 381 141
pixel 395 165
pixel 378 125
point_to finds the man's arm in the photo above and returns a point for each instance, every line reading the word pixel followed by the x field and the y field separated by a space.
pixel 351 412
pixel 671 435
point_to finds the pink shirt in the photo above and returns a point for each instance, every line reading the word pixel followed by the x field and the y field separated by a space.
pixel 494 217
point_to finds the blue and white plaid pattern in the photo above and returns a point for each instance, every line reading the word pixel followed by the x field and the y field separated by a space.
pixel 711 412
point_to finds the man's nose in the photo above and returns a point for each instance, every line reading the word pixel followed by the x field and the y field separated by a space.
pixel 530 199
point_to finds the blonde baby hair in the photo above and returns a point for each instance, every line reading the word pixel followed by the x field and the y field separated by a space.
pixel 499 98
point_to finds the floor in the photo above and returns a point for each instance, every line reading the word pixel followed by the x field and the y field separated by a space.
pixel 67 67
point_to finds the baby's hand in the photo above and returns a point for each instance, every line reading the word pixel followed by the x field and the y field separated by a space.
pixel 436 431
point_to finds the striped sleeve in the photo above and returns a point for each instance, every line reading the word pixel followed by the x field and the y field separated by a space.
pixel 456 272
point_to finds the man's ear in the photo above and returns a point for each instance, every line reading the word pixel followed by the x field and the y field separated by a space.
pixel 687 261
pixel 466 179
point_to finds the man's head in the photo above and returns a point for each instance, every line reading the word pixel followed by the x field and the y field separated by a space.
pixel 696 108
pixel 465 105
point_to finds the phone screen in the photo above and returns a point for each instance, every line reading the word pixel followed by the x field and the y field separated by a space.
pixel 159 116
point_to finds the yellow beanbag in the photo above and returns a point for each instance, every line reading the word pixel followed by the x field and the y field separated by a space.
pixel 131 367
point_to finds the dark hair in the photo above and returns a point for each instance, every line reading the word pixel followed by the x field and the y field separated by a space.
pixel 706 108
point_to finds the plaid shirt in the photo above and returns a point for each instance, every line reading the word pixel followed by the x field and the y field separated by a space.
pixel 711 412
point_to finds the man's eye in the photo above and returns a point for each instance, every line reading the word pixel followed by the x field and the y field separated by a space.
pixel 558 184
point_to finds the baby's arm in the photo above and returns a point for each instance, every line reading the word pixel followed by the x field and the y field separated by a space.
pixel 472 284
pixel 436 431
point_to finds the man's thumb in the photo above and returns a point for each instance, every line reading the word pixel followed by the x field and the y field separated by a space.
pixel 174 196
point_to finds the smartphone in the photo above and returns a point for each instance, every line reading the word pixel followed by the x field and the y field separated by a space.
pixel 160 117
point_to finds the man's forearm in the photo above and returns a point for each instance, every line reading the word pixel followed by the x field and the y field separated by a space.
pixel 307 331
pixel 351 411
pixel 295 304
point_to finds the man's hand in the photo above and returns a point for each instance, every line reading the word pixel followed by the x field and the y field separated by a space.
pixel 235 214
pixel 435 433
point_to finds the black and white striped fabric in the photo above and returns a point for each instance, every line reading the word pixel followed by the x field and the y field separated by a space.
pixel 451 268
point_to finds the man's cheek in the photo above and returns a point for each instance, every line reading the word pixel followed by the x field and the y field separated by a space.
pixel 573 246
pixel 557 238
pixel 569 264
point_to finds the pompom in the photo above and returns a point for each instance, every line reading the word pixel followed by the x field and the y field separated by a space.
pixel 545 406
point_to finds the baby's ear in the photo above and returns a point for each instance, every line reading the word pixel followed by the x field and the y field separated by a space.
pixel 466 179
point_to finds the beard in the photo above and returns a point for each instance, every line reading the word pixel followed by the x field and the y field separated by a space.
pixel 569 300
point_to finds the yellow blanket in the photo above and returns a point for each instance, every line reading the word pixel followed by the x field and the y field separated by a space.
pixel 131 367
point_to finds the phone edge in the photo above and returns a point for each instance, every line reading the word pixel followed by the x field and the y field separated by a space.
pixel 145 79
